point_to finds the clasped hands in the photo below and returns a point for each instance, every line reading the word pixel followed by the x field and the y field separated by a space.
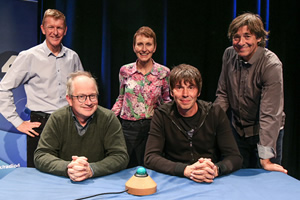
pixel 204 170
pixel 79 169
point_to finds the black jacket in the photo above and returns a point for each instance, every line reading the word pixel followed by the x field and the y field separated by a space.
pixel 169 149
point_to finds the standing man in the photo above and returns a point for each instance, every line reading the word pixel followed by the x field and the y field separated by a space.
pixel 43 70
pixel 251 87
pixel 82 140
pixel 189 137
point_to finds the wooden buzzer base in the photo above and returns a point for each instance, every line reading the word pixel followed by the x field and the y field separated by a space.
pixel 140 186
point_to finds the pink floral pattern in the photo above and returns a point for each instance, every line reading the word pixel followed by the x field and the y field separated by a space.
pixel 141 94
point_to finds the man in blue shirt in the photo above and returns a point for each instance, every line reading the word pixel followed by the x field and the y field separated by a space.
pixel 43 70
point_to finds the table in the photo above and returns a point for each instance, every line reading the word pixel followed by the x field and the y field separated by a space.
pixel 29 183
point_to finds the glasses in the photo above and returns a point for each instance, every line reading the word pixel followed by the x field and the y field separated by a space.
pixel 82 98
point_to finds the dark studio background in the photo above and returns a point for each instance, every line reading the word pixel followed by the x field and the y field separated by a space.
pixel 191 31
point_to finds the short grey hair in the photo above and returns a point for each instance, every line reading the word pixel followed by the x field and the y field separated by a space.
pixel 73 75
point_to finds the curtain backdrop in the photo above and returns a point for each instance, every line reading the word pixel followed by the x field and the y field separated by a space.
pixel 192 32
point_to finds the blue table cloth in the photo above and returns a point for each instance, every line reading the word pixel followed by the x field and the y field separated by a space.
pixel 29 183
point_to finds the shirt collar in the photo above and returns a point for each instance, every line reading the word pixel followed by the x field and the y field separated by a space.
pixel 253 59
pixel 153 71
pixel 76 120
pixel 49 52
pixel 256 55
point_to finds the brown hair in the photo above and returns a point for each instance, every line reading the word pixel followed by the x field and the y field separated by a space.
pixel 56 14
pixel 188 73
pixel 255 26
pixel 147 32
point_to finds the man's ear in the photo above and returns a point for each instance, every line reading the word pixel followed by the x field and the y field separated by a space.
pixel 69 100
pixel 259 40
pixel 171 93
pixel 43 30
pixel 65 31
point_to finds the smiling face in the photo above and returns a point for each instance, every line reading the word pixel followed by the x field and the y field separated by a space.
pixel 144 48
pixel 185 95
pixel 245 43
pixel 83 85
pixel 54 31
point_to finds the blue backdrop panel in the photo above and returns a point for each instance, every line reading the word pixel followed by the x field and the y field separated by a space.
pixel 19 32
pixel 13 148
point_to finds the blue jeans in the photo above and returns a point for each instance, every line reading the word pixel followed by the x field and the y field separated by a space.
pixel 248 149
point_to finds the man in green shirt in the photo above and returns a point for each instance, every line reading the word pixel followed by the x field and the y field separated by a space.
pixel 81 140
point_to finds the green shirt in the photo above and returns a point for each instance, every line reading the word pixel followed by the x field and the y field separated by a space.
pixel 103 143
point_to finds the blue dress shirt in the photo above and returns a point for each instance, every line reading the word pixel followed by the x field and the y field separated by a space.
pixel 44 76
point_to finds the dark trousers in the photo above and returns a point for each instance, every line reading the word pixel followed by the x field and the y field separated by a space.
pixel 279 145
pixel 136 135
pixel 248 149
pixel 32 142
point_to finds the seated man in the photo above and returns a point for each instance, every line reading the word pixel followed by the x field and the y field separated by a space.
pixel 190 137
pixel 81 140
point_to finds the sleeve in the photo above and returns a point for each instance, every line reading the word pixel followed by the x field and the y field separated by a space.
pixel 221 93
pixel 17 75
pixel 119 102
pixel 78 64
pixel 231 157
pixel 116 157
pixel 165 88
pixel 154 158
pixel 271 110
pixel 46 156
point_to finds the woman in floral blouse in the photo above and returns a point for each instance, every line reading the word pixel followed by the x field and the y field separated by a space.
pixel 143 87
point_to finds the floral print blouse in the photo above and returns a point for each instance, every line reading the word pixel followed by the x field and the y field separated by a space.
pixel 140 94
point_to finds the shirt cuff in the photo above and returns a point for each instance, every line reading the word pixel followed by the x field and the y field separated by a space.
pixel 179 169
pixel 265 152
pixel 92 170
pixel 17 122
pixel 221 168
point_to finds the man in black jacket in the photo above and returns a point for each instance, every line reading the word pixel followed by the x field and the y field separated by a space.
pixel 189 137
